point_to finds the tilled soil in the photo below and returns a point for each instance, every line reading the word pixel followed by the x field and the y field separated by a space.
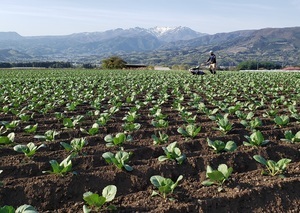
pixel 247 190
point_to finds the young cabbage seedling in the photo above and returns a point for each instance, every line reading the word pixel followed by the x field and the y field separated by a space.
pixel 26 209
pixel 21 209
pixel 75 146
pixel 190 130
pixel 270 113
pixel 31 128
pixel 252 124
pixel 273 168
pixel 218 176
pixel 9 139
pixel 120 159
pixel 177 106
pixel 92 131
pixel 224 125
pixel 131 117
pixel 59 115
pixel 210 113
pixel 220 146
pixel 256 139
pixel 72 122
pixel 160 139
pixel 60 168
pixel 117 140
pixel 172 153
pixel 69 123
pixel 25 117
pixel 129 126
pixel 282 120
pixel 7 209
pixel 188 117
pixel 10 125
pixel 95 201
pixel 243 116
pixel 294 112
pixel 72 106
pixel 103 119
pixel 160 123
pixel 156 113
pixel 29 150
pixel 165 186
pixel 48 136
pixel 232 109
pixel 290 137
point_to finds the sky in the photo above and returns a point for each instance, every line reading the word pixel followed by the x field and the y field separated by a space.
pixel 64 17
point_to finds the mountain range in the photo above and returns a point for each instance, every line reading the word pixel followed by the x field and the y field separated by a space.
pixel 156 46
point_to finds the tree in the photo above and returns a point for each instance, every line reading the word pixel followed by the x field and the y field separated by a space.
pixel 5 65
pixel 88 66
pixel 253 65
pixel 113 62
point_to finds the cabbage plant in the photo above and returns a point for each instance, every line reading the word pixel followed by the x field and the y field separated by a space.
pixel 95 201
pixel 92 131
pixel 165 186
pixel 31 128
pixel 290 137
pixel 224 124
pixel 76 145
pixel 117 140
pixel 21 209
pixel 60 168
pixel 281 121
pixel 189 131
pixel 9 139
pixel 220 146
pixel 48 136
pixel 29 149
pixel 218 176
pixel 172 152
pixel 256 139
pixel 273 168
pixel 160 139
pixel 119 159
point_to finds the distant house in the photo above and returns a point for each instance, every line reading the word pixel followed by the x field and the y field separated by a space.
pixel 291 68
pixel 161 68
pixel 135 66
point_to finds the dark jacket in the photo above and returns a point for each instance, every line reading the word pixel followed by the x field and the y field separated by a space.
pixel 212 59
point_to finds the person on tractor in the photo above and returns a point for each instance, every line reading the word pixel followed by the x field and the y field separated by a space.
pixel 212 61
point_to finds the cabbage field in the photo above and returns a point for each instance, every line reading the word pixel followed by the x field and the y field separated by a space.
pixel 149 141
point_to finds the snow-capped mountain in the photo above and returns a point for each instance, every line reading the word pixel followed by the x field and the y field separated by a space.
pixel 169 34
pixel 159 31
pixel 86 43
pixel 162 34
pixel 157 45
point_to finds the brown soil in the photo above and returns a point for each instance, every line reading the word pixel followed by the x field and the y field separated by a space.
pixel 245 191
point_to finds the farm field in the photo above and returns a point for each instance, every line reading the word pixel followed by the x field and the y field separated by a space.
pixel 167 123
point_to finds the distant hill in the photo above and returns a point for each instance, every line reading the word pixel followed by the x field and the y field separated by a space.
pixel 5 36
pixel 281 45
pixel 156 46
pixel 10 54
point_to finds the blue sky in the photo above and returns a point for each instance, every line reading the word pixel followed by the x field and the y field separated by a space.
pixel 63 17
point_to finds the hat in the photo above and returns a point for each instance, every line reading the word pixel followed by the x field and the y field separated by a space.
pixel 211 51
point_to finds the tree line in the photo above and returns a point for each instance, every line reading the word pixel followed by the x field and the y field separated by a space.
pixel 47 64
pixel 256 65
pixel 116 62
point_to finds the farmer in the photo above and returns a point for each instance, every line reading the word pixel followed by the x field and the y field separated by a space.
pixel 212 61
